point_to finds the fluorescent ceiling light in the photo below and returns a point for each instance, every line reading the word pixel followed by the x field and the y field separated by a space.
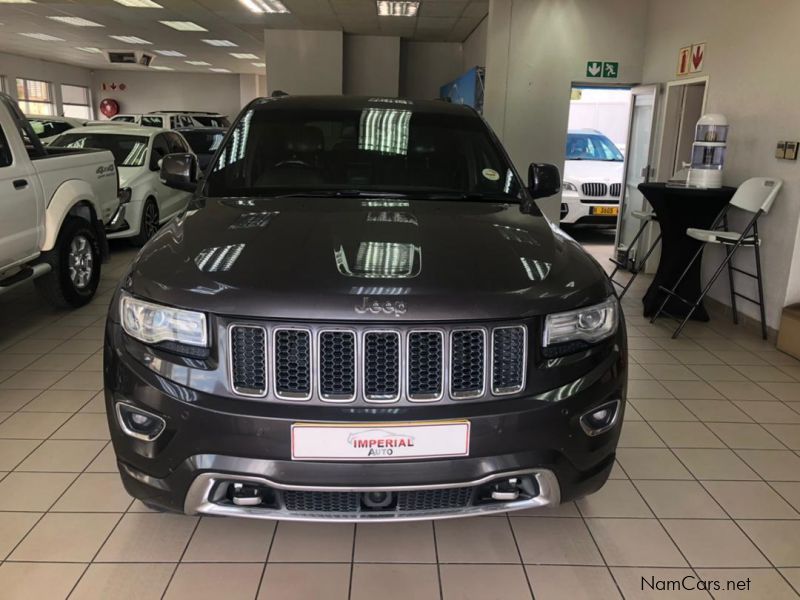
pixel 17 2
pixel 43 36
pixel 76 21
pixel 139 3
pixel 262 65
pixel 243 55
pixel 220 70
pixel 198 63
pixel 161 68
pixel 184 25
pixel 90 50
pixel 129 39
pixel 220 43
pixel 265 6
pixel 393 8
pixel 169 53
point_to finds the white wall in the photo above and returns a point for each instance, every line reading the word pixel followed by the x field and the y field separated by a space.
pixel 753 81
pixel 371 65
pixel 536 49
pixel 303 62
pixel 13 67
pixel 474 47
pixel 426 66
pixel 147 91
pixel 251 87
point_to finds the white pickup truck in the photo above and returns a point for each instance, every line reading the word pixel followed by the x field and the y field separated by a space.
pixel 54 207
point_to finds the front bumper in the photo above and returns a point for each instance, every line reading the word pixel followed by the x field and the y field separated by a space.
pixel 578 211
pixel 209 442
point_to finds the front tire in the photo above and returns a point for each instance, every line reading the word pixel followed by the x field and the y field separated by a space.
pixel 75 266
pixel 149 223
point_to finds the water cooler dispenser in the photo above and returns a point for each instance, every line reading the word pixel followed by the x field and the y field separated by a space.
pixel 708 152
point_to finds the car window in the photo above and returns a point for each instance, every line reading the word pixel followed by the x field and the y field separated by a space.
pixel 212 121
pixel 204 141
pixel 374 149
pixel 149 121
pixel 160 150
pixel 128 150
pixel 591 146
pixel 124 118
pixel 5 151
pixel 48 128
pixel 176 143
pixel 187 122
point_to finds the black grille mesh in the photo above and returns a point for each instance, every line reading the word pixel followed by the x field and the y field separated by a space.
pixel 507 361
pixel 467 359
pixel 381 364
pixel 337 364
pixel 249 360
pixel 615 190
pixel 434 499
pixel 292 362
pixel 321 501
pixel 424 364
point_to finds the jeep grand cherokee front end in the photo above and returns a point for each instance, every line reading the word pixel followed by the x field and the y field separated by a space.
pixel 362 316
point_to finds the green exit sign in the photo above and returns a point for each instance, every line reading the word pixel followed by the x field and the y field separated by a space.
pixel 600 69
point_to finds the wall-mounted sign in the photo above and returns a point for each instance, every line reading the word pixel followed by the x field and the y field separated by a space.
pixel 698 54
pixel 113 86
pixel 596 69
pixel 690 59
pixel 684 58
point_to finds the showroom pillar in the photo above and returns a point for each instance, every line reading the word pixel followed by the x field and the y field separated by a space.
pixel 303 61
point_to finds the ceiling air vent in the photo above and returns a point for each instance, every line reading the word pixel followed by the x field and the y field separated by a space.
pixel 129 57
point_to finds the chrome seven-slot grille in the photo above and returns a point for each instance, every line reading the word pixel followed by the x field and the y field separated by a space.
pixel 338 364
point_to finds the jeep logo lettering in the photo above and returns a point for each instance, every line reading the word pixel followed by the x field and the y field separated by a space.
pixel 377 307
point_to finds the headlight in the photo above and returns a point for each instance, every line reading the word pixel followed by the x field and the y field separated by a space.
pixel 568 187
pixel 590 324
pixel 152 323
pixel 124 195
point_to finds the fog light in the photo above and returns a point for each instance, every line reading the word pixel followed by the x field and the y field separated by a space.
pixel 600 419
pixel 139 423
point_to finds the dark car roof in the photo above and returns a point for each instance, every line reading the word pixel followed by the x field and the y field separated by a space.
pixel 436 107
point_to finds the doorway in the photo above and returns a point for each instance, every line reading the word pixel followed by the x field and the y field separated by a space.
pixel 684 104
pixel 595 149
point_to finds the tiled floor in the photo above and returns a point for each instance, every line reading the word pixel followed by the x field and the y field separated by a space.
pixel 708 485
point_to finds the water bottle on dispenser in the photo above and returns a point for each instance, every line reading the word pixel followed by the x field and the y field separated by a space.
pixel 708 152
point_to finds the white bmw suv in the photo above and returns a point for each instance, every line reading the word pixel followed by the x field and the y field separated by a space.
pixel 592 183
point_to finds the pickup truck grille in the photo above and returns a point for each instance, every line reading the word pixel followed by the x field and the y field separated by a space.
pixel 343 363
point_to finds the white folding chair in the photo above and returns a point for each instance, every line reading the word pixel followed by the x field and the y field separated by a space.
pixel 645 217
pixel 756 197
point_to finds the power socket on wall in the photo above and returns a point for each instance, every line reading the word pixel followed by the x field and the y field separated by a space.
pixel 787 150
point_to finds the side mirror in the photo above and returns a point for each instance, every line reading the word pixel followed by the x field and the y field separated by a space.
pixel 543 180
pixel 179 171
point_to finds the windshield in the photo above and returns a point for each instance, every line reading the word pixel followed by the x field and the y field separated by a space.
pixel 361 151
pixel 124 118
pixel 151 121
pixel 212 120
pixel 45 128
pixel 203 142
pixel 591 146
pixel 128 150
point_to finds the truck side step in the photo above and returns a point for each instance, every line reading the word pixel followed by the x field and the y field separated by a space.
pixel 23 275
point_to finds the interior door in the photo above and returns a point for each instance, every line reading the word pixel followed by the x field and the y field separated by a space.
pixel 19 208
pixel 638 162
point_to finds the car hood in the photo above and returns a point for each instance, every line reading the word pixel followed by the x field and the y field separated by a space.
pixel 360 259
pixel 583 171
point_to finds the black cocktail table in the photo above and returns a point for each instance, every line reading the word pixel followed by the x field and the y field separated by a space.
pixel 677 209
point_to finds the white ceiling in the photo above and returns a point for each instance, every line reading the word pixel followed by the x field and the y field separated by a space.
pixel 437 20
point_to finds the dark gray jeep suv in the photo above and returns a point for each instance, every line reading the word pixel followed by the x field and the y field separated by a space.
pixel 362 315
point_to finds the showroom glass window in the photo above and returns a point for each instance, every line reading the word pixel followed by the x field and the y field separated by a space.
pixel 374 149
pixel 76 101
pixel 35 97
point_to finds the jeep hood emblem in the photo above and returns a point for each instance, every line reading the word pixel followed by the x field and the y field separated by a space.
pixel 377 307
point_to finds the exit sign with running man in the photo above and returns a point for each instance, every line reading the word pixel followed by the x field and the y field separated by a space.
pixel 597 69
